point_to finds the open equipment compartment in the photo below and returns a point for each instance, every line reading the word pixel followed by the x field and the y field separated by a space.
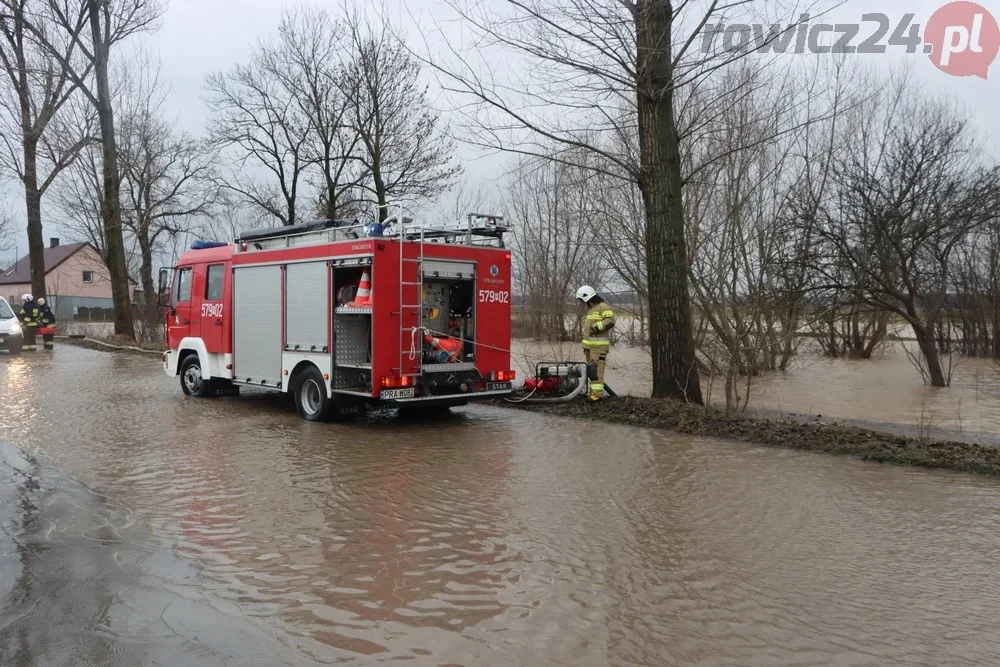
pixel 352 333
pixel 449 310
pixel 448 317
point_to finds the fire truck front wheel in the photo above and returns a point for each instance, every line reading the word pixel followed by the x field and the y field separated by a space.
pixel 311 399
pixel 193 383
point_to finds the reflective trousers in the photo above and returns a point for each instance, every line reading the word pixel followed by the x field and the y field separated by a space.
pixel 597 356
pixel 28 332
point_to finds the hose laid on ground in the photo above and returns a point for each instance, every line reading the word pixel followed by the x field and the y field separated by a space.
pixel 561 399
pixel 522 400
pixel 122 347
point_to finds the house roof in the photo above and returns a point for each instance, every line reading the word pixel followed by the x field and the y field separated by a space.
pixel 20 273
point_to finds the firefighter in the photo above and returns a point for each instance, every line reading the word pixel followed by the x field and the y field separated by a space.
pixel 30 317
pixel 597 325
pixel 47 323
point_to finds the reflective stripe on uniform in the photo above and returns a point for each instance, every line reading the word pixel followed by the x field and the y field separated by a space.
pixel 600 342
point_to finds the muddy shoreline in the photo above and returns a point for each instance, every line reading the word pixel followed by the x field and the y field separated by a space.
pixel 828 438
pixel 886 443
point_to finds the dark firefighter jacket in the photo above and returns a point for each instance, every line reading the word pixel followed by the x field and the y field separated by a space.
pixel 30 314
pixel 33 315
pixel 48 318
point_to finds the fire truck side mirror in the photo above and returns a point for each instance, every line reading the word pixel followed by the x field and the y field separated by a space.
pixel 163 289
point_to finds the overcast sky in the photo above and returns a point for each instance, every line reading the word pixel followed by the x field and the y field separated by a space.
pixel 199 36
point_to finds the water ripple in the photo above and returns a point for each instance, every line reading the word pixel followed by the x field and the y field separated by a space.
pixel 509 538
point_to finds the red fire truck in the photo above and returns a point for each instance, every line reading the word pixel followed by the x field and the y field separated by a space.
pixel 345 315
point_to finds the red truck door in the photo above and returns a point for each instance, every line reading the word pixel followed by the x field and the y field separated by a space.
pixel 211 307
pixel 179 320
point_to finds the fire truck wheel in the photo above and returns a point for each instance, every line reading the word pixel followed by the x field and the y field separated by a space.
pixel 310 396
pixel 193 382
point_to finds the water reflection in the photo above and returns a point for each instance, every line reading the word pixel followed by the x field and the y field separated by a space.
pixel 80 585
pixel 495 537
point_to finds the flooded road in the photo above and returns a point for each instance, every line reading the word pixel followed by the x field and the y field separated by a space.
pixel 495 537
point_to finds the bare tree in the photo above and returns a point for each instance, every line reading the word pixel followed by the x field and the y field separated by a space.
pixel 311 57
pixel 590 67
pixel 6 231
pixel 260 114
pixel 973 311
pixel 37 87
pixel 553 207
pixel 109 22
pixel 464 199
pixel 912 188
pixel 167 176
pixel 78 197
pixel 405 154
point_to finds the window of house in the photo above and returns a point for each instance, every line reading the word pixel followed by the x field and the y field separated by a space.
pixel 88 276
pixel 213 285
pixel 182 291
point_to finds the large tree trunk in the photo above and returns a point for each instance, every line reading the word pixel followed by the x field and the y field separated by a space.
pixel 928 347
pixel 33 202
pixel 111 212
pixel 380 193
pixel 146 270
pixel 675 370
pixel 32 196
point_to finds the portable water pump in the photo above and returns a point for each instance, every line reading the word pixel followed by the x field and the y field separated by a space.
pixel 558 382
pixel 555 379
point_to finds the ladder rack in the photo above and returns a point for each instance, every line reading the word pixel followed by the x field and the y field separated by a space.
pixel 479 229
pixel 416 341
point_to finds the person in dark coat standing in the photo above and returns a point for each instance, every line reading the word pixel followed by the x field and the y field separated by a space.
pixel 31 318
pixel 47 324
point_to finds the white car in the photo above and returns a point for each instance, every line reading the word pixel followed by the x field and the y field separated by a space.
pixel 10 329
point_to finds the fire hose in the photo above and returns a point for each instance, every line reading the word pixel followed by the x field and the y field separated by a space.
pixel 556 399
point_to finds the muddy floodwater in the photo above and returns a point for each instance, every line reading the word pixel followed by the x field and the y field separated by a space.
pixel 232 532
pixel 883 390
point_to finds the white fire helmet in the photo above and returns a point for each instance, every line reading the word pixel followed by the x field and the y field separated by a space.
pixel 586 293
pixel 41 301
pixel 25 297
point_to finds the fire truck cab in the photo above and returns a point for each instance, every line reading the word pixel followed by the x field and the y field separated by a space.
pixel 345 315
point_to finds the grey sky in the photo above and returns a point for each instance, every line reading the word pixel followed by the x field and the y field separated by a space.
pixel 198 36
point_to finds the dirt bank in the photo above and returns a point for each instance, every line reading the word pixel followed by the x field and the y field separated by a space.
pixel 830 438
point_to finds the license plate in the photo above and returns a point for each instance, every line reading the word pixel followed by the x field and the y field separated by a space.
pixel 498 386
pixel 389 394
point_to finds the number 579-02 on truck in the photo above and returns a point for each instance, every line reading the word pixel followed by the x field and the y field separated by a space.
pixel 345 315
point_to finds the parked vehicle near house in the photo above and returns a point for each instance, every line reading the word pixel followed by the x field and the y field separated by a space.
pixel 345 316
pixel 10 329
